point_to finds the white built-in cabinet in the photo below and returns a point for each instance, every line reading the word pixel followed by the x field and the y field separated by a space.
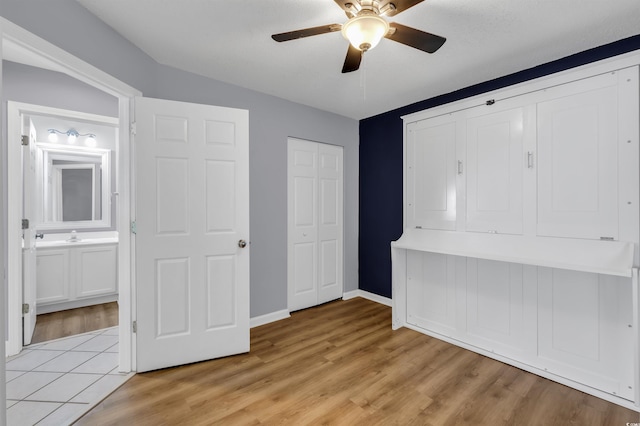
pixel 72 276
pixel 522 228
pixel 315 223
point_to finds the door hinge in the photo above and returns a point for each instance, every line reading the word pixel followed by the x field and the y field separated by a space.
pixel 133 128
pixel 134 228
pixel 25 223
pixel 135 326
pixel 25 308
pixel 24 140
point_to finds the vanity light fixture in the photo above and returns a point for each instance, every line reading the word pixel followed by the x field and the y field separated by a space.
pixel 72 137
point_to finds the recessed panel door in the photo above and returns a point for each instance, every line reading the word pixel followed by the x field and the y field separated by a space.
pixel 192 220
pixel 494 171
pixel 302 224
pixel 315 223
pixel 578 160
pixel 431 174
pixel 330 229
pixel 30 199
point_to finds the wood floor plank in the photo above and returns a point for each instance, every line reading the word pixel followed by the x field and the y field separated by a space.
pixel 341 364
pixel 56 325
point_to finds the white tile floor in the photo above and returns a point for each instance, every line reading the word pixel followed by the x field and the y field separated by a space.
pixel 56 382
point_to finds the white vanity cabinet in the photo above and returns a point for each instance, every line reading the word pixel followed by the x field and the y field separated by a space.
pixel 522 228
pixel 74 275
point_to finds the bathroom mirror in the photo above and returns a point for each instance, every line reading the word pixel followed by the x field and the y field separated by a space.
pixel 75 187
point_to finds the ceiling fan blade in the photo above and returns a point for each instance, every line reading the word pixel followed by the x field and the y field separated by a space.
pixel 426 42
pixel 401 6
pixel 306 32
pixel 353 59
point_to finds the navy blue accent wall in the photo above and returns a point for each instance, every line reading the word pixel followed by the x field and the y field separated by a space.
pixel 381 163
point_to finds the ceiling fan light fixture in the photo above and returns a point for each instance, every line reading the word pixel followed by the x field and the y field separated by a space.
pixel 365 31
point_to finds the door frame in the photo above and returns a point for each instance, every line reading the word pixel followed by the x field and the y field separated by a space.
pixel 14 208
pixel 41 53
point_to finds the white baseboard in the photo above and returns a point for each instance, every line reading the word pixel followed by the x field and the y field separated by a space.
pixel 366 295
pixel 267 318
pixel 283 314
pixel 350 294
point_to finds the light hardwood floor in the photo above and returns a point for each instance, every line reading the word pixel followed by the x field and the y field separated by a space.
pixel 75 321
pixel 341 364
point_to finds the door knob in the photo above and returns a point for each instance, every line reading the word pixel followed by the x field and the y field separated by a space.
pixel 242 243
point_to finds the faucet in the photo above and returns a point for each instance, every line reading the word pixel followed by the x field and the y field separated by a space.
pixel 74 237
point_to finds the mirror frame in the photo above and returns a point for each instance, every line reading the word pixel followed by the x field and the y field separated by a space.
pixel 46 151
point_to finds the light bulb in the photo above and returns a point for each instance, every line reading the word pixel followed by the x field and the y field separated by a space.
pixel 53 136
pixel 91 141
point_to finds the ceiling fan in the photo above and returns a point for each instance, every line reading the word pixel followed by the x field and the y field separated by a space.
pixel 366 27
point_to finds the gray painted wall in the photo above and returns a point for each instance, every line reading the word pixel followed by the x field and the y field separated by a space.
pixel 272 120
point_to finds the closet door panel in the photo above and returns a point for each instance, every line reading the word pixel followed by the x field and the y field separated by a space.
pixel 494 171
pixel 578 162
pixel 302 225
pixel 330 228
pixel 431 174
pixel 315 223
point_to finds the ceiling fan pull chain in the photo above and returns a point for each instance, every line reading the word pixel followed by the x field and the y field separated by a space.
pixel 363 78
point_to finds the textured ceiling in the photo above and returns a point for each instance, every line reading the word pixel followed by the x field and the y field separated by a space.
pixel 230 41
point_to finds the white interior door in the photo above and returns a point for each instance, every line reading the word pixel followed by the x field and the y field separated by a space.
pixel 29 237
pixel 315 223
pixel 192 217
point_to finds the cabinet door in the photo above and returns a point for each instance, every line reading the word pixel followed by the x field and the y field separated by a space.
pixel 52 276
pixel 498 306
pixel 431 291
pixel 96 270
pixel 494 171
pixel 583 329
pixel 431 174
pixel 577 144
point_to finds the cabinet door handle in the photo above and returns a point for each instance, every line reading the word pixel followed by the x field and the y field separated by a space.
pixel 459 167
pixel 530 159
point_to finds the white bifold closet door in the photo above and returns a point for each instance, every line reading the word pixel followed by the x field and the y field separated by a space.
pixel 315 223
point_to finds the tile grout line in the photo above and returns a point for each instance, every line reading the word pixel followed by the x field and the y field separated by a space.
pixel 64 373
